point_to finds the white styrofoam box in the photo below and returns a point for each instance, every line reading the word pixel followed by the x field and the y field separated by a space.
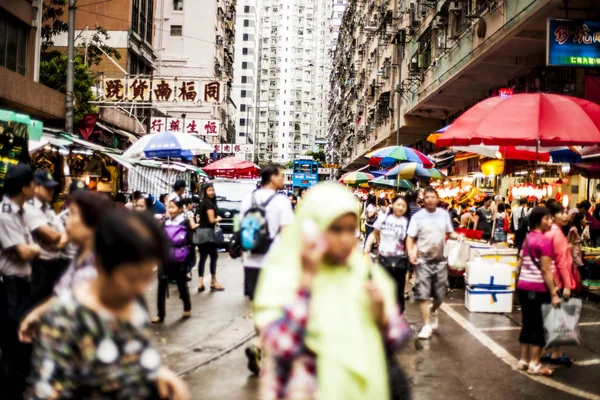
pixel 505 256
pixel 488 301
pixel 481 271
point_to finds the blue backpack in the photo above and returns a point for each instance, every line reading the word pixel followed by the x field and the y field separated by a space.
pixel 254 229
pixel 178 236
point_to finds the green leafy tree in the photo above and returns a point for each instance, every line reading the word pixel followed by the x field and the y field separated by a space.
pixel 53 73
pixel 317 156
pixel 88 53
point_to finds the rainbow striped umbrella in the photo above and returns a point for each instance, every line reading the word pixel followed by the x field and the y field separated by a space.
pixel 415 170
pixel 355 178
pixel 389 156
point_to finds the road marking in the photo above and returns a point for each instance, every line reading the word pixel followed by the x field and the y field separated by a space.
pixel 587 362
pixel 501 328
pixel 517 328
pixel 507 358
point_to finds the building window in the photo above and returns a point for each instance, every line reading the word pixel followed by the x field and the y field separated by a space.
pixel 244 79
pixel 244 65
pixel 13 45
pixel 242 107
pixel 245 37
pixel 243 93
pixel 150 21
pixel 242 121
pixel 242 134
pixel 135 15
pixel 246 23
pixel 176 30
pixel 244 51
pixel 246 9
pixel 177 5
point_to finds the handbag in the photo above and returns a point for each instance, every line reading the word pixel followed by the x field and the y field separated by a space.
pixel 204 235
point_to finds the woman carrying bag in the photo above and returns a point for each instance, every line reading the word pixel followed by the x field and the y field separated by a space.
pixel 328 319
pixel 390 232
pixel 204 237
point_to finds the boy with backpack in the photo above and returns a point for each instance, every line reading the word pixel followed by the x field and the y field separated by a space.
pixel 263 215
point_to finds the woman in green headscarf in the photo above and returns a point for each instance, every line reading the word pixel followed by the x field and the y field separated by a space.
pixel 326 316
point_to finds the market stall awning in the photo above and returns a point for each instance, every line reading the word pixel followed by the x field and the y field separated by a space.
pixel 124 161
pixel 130 136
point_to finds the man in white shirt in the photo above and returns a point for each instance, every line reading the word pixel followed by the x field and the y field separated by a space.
pixel 425 244
pixel 519 215
pixel 279 214
pixel 178 190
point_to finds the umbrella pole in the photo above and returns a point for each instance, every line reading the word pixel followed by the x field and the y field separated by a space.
pixel 537 153
pixel 501 173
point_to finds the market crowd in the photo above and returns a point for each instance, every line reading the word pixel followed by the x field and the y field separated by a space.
pixel 73 321
pixel 328 315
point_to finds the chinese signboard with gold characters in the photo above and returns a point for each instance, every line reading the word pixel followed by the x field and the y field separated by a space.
pixel 162 90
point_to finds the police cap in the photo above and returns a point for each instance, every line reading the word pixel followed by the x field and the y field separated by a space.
pixel 45 179
pixel 17 177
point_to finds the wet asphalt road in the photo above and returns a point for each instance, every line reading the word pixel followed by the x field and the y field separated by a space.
pixel 468 357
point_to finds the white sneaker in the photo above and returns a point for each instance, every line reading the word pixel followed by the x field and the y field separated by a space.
pixel 426 332
pixel 433 320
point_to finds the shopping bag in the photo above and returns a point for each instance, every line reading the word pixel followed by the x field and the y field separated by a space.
pixel 458 254
pixel 560 324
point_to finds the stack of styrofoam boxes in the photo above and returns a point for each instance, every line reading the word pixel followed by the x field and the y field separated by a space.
pixel 490 280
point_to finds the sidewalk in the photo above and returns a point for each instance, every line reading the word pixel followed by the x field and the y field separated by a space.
pixel 473 355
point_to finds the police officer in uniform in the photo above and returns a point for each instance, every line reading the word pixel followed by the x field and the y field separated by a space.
pixel 47 231
pixel 17 250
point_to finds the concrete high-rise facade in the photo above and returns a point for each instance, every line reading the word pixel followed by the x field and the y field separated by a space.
pixel 195 39
pixel 294 65
pixel 244 92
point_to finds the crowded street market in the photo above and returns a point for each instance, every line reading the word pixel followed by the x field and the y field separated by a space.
pixel 316 199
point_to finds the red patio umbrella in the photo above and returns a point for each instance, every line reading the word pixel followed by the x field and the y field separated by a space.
pixel 231 167
pixel 529 119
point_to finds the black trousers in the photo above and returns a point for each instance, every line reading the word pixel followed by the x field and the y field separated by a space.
pixel 532 330
pixel 176 272
pixel 44 276
pixel 206 250
pixel 398 274
pixel 15 302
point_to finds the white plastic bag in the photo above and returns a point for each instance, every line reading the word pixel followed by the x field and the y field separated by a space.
pixel 560 324
pixel 458 254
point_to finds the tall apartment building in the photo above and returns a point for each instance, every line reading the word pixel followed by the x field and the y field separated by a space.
pixel 245 83
pixel 405 68
pixel 336 21
pixel 292 77
pixel 195 39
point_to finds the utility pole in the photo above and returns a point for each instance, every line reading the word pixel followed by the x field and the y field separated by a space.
pixel 70 69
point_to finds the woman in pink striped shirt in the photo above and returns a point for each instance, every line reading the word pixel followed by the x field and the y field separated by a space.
pixel 563 268
pixel 535 287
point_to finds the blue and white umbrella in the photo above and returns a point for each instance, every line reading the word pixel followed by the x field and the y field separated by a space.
pixel 168 145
